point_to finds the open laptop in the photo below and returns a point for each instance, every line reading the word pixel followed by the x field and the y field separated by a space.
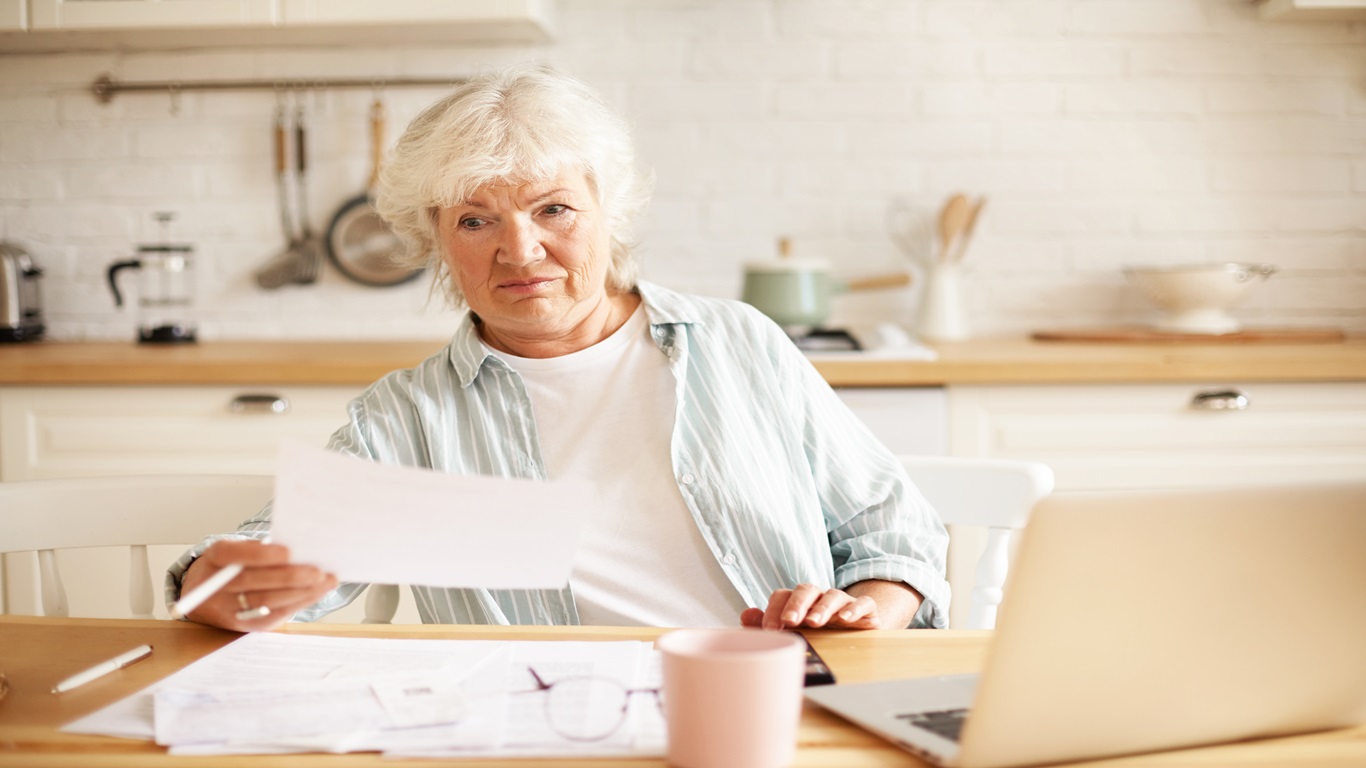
pixel 1139 622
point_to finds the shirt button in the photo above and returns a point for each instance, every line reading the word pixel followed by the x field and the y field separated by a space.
pixel 686 479
pixel 729 559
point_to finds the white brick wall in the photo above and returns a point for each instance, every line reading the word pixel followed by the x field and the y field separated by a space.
pixel 1106 133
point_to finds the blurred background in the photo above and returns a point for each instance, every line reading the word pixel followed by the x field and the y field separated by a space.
pixel 1103 134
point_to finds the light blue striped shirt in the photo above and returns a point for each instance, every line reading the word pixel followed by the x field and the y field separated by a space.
pixel 786 485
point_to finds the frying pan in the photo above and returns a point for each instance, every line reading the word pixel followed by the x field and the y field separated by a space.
pixel 359 243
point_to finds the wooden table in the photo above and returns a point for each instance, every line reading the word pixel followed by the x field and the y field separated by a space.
pixel 37 652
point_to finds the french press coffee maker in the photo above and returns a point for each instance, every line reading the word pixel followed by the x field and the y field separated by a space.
pixel 165 289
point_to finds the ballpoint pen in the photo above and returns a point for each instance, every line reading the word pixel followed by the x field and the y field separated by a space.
pixel 103 668
pixel 209 587
pixel 206 589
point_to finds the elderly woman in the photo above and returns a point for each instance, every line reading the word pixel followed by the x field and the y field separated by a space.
pixel 734 486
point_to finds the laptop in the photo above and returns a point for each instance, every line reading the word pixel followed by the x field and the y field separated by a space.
pixel 1147 621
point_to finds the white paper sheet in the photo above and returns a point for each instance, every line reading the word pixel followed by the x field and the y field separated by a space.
pixel 284 660
pixel 390 524
pixel 270 693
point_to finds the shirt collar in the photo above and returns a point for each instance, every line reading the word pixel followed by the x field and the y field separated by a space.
pixel 663 307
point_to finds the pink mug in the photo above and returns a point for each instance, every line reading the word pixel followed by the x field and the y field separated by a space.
pixel 732 697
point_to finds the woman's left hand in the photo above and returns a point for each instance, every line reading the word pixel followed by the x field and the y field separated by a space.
pixel 870 604
pixel 810 606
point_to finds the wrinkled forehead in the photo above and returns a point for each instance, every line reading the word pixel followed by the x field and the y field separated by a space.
pixel 522 187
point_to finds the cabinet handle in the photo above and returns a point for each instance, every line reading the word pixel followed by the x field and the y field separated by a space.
pixel 1220 400
pixel 259 404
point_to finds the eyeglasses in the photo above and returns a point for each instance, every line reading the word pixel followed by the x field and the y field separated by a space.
pixel 587 708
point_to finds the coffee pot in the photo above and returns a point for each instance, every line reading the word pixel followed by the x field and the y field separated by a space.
pixel 165 294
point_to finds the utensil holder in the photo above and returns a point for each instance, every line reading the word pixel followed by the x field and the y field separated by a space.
pixel 943 312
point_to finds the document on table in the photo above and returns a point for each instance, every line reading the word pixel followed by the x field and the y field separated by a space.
pixel 276 693
pixel 389 524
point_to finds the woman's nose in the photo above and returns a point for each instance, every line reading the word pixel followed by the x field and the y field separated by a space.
pixel 521 244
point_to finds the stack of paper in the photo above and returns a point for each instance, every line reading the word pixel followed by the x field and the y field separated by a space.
pixel 275 693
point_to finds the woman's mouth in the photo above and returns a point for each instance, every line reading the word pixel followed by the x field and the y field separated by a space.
pixel 526 285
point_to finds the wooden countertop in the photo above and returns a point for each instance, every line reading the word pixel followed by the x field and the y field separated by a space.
pixel 979 361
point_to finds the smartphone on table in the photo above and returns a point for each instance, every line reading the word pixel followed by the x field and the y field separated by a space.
pixel 817 672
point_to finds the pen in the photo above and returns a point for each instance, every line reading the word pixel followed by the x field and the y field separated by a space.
pixel 206 589
pixel 103 668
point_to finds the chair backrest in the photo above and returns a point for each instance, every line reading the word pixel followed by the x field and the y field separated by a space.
pixel 995 494
pixel 47 515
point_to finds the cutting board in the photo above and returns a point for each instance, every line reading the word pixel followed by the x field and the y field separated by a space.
pixel 1142 335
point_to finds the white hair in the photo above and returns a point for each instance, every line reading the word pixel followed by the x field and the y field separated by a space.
pixel 524 123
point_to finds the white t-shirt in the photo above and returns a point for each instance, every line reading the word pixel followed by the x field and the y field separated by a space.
pixel 606 414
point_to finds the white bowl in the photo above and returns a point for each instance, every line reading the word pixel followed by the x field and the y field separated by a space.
pixel 1195 298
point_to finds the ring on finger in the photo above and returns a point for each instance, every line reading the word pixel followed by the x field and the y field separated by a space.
pixel 248 613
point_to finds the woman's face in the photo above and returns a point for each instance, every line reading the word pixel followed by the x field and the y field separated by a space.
pixel 531 258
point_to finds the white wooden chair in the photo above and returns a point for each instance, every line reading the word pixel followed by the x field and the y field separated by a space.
pixel 995 494
pixel 47 515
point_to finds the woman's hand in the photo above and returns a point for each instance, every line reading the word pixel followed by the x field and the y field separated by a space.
pixel 872 604
pixel 267 579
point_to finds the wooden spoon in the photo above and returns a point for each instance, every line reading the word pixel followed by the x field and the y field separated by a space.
pixel 968 227
pixel 953 217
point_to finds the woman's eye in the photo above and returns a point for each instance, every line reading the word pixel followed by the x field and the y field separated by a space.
pixel 470 222
pixel 555 209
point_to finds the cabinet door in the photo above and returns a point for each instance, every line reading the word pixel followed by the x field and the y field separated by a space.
pixel 1099 437
pixel 13 15
pixel 909 420
pixel 91 431
pixel 151 14
pixel 368 11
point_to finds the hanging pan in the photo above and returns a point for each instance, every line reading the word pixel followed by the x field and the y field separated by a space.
pixel 359 243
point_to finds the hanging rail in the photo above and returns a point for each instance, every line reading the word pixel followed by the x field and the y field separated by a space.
pixel 105 87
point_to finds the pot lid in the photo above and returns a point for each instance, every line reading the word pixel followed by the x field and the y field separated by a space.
pixel 788 265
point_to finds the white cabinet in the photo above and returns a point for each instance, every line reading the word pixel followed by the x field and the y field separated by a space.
pixel 909 420
pixel 1100 437
pixel 13 15
pixel 314 12
pixel 1312 10
pixel 150 14
pixel 78 25
pixel 1141 436
pixel 89 431
pixel 48 432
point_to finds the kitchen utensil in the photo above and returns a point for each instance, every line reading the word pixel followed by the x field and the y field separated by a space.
pixel 911 228
pixel 969 225
pixel 21 308
pixel 1195 298
pixel 359 242
pixel 310 246
pixel 284 267
pixel 797 293
pixel 953 217
pixel 165 289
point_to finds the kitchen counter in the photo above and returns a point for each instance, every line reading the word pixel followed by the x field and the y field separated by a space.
pixel 979 361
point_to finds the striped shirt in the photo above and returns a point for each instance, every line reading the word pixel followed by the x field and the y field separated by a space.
pixel 785 483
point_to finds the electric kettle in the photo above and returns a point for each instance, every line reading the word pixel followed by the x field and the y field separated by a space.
pixel 165 291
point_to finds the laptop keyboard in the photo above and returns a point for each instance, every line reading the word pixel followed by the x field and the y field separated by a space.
pixel 947 723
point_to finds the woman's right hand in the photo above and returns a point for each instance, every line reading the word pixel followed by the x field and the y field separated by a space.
pixel 267 579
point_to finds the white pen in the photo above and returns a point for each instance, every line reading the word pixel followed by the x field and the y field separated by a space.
pixel 103 668
pixel 206 589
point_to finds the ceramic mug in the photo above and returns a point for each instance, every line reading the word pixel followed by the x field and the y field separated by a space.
pixel 732 697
